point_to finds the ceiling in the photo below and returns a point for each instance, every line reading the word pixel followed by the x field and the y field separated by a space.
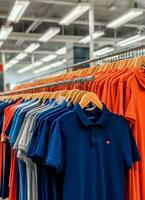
pixel 42 14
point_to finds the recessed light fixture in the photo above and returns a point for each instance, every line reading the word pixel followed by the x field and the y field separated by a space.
pixel 103 51
pixel 128 16
pixel 5 31
pixel 18 10
pixel 74 14
pixel 131 40
pixel 32 47
pixel 96 35
pixel 49 66
pixel 61 51
pixel 21 56
pixel 51 32
pixel 11 63
pixel 48 58
pixel 29 67
pixel 1 43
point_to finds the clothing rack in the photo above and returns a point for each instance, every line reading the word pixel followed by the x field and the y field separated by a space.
pixel 77 80
pixel 117 55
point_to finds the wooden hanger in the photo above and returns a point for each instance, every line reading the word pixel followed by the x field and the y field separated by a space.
pixel 132 63
pixel 101 67
pixel 139 62
pixel 124 64
pixel 107 66
pixel 71 94
pixel 79 96
pixel 61 94
pixel 128 63
pixel 90 70
pixel 91 97
pixel 43 95
pixel 94 70
pixel 98 68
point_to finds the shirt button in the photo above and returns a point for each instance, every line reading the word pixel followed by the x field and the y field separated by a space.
pixel 93 139
pixel 108 142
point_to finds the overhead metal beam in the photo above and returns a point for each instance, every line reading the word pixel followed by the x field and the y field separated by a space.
pixel 59 38
pixel 79 22
pixel 32 27
pixel 14 51
pixel 63 3
pixel 36 36
pixel 99 41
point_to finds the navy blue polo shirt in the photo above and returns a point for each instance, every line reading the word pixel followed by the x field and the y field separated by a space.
pixel 39 148
pixel 92 148
pixel 39 126
pixel 42 142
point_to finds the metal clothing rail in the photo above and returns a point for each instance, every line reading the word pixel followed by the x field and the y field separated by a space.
pixel 77 80
pixel 130 53
pixel 117 53
pixel 105 57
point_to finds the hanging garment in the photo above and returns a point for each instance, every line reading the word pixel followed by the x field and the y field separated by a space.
pixel 93 154
pixel 31 131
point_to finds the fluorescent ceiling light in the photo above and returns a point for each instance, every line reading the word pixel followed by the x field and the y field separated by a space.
pixel 11 63
pixel 56 64
pixel 1 43
pixel 74 14
pixel 52 65
pixel 61 51
pixel 48 58
pixel 96 35
pixel 32 47
pixel 24 69
pixel 7 66
pixel 103 51
pixel 18 10
pixel 36 64
pixel 64 61
pixel 128 16
pixel 5 31
pixel 21 56
pixel 49 34
pixel 131 40
pixel 29 67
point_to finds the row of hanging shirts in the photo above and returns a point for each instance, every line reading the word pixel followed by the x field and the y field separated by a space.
pixel 51 143
pixel 120 86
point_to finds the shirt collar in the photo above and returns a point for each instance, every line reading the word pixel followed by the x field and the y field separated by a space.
pixel 102 121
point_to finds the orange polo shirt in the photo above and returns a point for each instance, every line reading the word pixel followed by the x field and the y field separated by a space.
pixel 111 96
pixel 121 99
pixel 105 89
pixel 135 111
pixel 130 103
pixel 13 176
pixel 8 114
pixel 100 84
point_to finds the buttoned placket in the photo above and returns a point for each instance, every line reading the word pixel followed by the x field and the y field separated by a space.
pixel 93 136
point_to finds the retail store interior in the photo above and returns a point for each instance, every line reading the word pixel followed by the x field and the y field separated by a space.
pixel 41 36
pixel 72 99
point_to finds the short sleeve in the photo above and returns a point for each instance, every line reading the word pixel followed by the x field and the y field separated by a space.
pixel 131 153
pixel 54 156
pixel 130 113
